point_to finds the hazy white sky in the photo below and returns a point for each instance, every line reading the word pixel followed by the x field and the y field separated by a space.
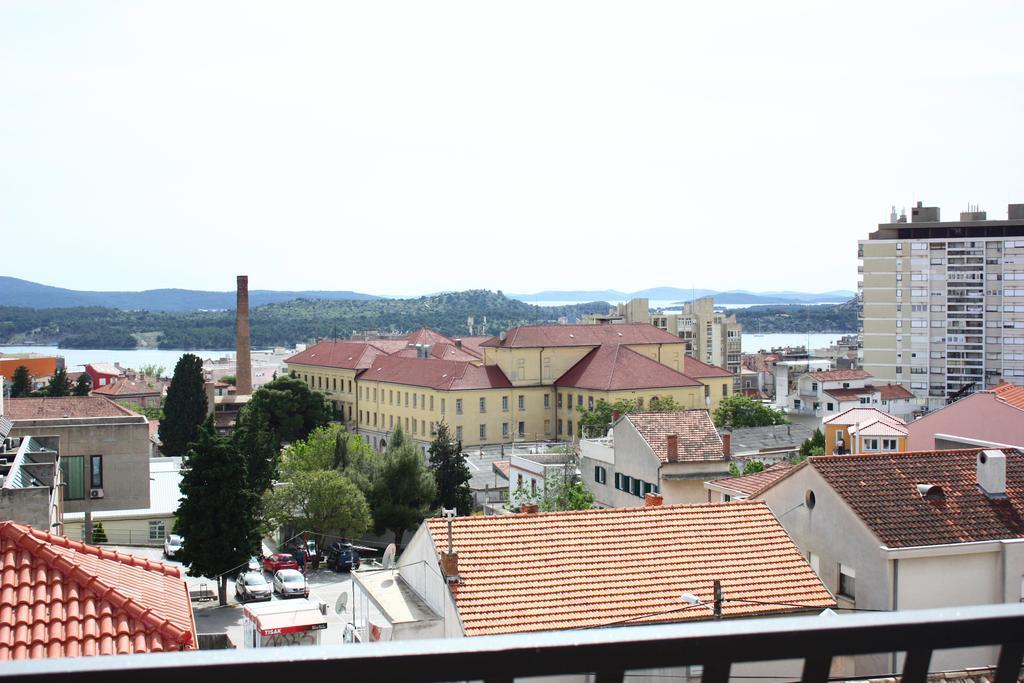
pixel 406 148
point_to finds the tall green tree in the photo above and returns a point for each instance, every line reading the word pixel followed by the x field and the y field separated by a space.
pixel 812 445
pixel 742 411
pixel 403 491
pixel 451 473
pixel 21 382
pixel 185 408
pixel 59 384
pixel 323 501
pixel 216 515
pixel 749 467
pixel 82 386
pixel 597 421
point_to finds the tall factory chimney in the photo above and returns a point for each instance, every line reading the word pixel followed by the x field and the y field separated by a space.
pixel 243 364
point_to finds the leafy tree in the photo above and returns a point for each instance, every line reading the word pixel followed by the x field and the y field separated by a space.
pixel 451 473
pixel 228 379
pixel 21 382
pixel 359 462
pixel 749 467
pixel 562 488
pixel 185 407
pixel 742 411
pixel 597 421
pixel 317 452
pixel 152 370
pixel 59 384
pixel 664 404
pixel 324 501
pixel 282 411
pixel 83 385
pixel 99 534
pixel 403 492
pixel 150 413
pixel 812 445
pixel 217 512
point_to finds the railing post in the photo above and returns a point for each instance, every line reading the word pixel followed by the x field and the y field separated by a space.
pixel 915 666
pixel 716 671
pixel 609 676
pixel 1008 667
pixel 816 668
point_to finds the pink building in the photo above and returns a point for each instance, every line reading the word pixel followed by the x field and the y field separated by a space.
pixel 994 417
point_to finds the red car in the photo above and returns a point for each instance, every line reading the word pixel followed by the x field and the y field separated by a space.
pixel 279 561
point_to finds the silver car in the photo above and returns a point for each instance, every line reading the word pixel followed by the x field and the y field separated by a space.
pixel 290 583
pixel 252 586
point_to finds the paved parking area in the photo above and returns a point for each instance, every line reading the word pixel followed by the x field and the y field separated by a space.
pixel 324 585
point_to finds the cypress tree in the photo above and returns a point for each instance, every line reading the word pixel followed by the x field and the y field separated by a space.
pixel 82 386
pixel 59 384
pixel 185 407
pixel 21 382
pixel 451 473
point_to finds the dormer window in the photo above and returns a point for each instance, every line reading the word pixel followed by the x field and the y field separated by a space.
pixel 932 492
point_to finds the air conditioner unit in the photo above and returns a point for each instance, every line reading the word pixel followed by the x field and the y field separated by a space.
pixel 95 493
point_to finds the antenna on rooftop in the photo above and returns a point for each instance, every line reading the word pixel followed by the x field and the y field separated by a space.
pixel 449 514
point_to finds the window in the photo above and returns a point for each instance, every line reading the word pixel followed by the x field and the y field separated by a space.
pixel 483 405
pixel 519 480
pixel 391 397
pixel 814 386
pixel 73 471
pixel 458 406
pixel 504 430
pixel 725 390
pixel 458 434
pixel 522 402
pixel 522 428
pixel 828 406
pixel 334 381
pixel 707 391
pixel 414 400
pixel 96 471
pixel 600 474
pixel 871 444
pixel 483 431
pixel 533 487
pixel 157 530
pixel 568 425
pixel 559 399
pixel 847 587
pixel 888 444
pixel 547 400
pixel 569 401
pixel 590 402
pixel 504 404
pixel 815 562
pixel 579 401
pixel 637 487
pixel 442 406
pixel 407 399
pixel 547 427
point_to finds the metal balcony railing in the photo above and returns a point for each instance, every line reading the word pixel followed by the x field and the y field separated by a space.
pixel 605 653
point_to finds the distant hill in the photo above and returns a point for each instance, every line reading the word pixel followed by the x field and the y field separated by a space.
pixel 677 294
pixel 17 292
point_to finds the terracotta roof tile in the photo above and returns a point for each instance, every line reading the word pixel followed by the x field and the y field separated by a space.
pixel 104 369
pixel 63 598
pixel 840 375
pixel 894 392
pixel 695 368
pixel 698 440
pixel 128 387
pixel 443 375
pixel 614 366
pixel 849 394
pixel 589 568
pixel 347 355
pixel 750 485
pixel 501 467
pixel 865 416
pixel 882 490
pixel 526 336
pixel 56 407
pixel 1011 394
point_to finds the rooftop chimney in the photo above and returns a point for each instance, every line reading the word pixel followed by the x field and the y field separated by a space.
pixel 458 343
pixel 992 473
pixel 672 444
pixel 529 508
pixel 652 500
pixel 243 367
pixel 727 444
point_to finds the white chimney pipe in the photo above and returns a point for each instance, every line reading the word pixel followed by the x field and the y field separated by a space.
pixel 992 473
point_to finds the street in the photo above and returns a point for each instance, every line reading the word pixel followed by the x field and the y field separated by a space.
pixel 324 585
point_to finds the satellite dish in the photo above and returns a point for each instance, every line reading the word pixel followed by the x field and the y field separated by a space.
pixel 341 604
pixel 389 556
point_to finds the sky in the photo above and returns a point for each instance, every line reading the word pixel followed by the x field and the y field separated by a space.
pixel 405 148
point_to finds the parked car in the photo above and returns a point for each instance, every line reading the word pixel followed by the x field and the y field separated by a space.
pixel 290 583
pixel 254 565
pixel 342 557
pixel 279 561
pixel 172 545
pixel 305 553
pixel 252 586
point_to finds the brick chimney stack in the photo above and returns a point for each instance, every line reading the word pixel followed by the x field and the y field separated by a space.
pixel 652 500
pixel 727 444
pixel 672 442
pixel 243 366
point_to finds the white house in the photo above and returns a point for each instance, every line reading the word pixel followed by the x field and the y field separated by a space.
pixel 529 473
pixel 917 530
pixel 670 453
pixel 826 393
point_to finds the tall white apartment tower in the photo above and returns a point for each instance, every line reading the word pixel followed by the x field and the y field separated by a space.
pixel 942 303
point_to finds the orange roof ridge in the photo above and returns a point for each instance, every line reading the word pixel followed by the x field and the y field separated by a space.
pixel 28 539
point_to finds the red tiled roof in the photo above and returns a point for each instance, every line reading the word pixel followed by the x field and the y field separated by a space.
pixel 433 373
pixel 128 387
pixel 1010 394
pixel 444 351
pixel 840 375
pixel 698 440
pixel 501 467
pixel 473 344
pixel 865 416
pixel 749 485
pixel 894 392
pixel 63 598
pixel 849 394
pixel 611 367
pixel 695 368
pixel 590 568
pixel 882 490
pixel 49 408
pixel 348 355
pixel 425 335
pixel 526 336
pixel 104 369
